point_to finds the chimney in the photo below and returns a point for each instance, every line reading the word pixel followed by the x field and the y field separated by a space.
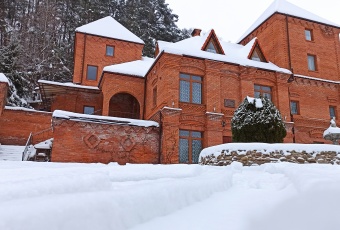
pixel 196 32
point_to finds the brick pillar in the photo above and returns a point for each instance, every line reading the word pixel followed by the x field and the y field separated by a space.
pixel 3 95
pixel 170 135
pixel 213 134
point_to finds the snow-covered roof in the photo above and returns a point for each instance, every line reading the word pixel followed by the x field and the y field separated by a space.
pixel 110 28
pixel 103 119
pixel 287 8
pixel 3 78
pixel 136 68
pixel 68 84
pixel 24 109
pixel 45 144
pixel 256 101
pixel 234 53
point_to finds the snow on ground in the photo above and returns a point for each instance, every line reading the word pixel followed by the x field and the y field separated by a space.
pixel 11 152
pixel 96 196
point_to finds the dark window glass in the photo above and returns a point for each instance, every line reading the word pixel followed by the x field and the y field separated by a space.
pixel 190 89
pixel 332 112
pixel 264 91
pixel 110 50
pixel 88 110
pixel 311 62
pixel 294 107
pixel 190 146
pixel 92 72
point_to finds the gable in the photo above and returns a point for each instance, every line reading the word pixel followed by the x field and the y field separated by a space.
pixel 212 44
pixel 256 53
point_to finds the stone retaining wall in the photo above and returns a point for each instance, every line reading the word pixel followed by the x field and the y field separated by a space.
pixel 255 157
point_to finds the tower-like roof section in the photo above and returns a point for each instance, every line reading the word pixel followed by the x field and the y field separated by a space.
pixel 287 8
pixel 110 28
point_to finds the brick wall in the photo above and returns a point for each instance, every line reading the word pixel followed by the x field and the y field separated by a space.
pixel 75 101
pixel 16 126
pixel 85 142
pixel 91 50
pixel 3 96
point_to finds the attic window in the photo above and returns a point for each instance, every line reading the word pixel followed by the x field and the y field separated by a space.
pixel 211 48
pixel 257 55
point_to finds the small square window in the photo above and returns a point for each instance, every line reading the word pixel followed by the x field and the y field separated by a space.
pixel 308 35
pixel 88 110
pixel 311 62
pixel 92 72
pixel 332 111
pixel 294 107
pixel 110 50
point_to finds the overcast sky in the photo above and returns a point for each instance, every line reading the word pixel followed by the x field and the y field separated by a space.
pixel 231 18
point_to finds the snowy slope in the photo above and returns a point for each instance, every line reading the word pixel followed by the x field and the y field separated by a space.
pixel 52 196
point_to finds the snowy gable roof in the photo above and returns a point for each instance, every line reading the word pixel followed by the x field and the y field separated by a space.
pixel 3 78
pixel 287 8
pixel 67 84
pixel 234 53
pixel 137 68
pixel 109 27
pixel 102 119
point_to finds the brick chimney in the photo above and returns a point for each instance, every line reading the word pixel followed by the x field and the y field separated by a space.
pixel 196 32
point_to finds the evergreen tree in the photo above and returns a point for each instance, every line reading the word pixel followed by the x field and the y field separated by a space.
pixel 257 120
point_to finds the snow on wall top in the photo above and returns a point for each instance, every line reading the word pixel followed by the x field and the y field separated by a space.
pixel 285 7
pixel 68 84
pixel 3 78
pixel 234 53
pixel 244 147
pixel 136 68
pixel 24 109
pixel 109 27
pixel 103 119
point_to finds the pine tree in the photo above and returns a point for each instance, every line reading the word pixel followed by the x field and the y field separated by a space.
pixel 257 120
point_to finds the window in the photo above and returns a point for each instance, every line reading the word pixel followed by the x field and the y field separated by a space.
pixel 332 111
pixel 190 146
pixel 110 50
pixel 257 54
pixel 308 35
pixel 154 96
pixel 190 88
pixel 311 62
pixel 211 47
pixel 294 107
pixel 88 110
pixel 92 72
pixel 264 91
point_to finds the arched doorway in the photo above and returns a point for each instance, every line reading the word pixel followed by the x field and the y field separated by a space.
pixel 124 105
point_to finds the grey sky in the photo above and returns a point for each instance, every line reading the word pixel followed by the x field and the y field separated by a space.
pixel 231 18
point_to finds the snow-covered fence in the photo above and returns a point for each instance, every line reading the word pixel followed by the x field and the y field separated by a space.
pixel 259 153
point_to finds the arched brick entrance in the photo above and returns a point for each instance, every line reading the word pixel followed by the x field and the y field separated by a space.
pixel 124 105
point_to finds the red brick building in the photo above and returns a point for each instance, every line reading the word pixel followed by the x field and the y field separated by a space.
pixel 192 87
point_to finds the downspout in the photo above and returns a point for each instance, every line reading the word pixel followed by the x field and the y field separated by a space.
pixel 290 80
pixel 160 137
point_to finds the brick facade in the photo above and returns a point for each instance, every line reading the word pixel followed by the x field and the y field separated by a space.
pixel 16 126
pixel 86 142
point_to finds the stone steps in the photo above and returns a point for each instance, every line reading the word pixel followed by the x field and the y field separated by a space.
pixel 11 152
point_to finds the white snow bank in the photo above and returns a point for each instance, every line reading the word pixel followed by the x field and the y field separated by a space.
pixel 136 68
pixel 242 148
pixel 109 27
pixel 102 119
pixel 3 78
pixel 39 196
pixel 67 84
pixel 257 101
pixel 24 109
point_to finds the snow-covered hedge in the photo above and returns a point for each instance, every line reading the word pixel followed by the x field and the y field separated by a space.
pixel 259 153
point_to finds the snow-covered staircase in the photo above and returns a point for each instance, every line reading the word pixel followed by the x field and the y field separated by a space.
pixel 11 152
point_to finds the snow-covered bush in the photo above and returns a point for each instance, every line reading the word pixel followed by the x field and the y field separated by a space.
pixel 257 120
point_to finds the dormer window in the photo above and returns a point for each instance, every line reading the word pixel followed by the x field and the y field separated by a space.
pixel 211 48
pixel 257 54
